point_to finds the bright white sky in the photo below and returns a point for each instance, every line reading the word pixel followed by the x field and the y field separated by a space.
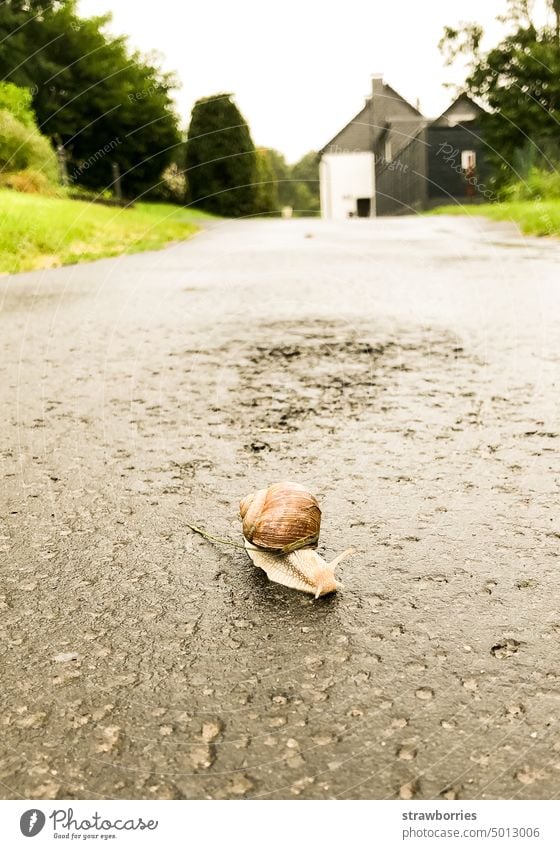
pixel 300 69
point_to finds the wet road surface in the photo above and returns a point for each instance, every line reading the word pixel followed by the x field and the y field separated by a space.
pixel 406 371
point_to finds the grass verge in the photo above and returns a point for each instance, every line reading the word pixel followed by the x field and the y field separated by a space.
pixel 534 217
pixel 45 232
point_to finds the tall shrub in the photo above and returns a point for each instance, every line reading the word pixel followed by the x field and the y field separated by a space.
pixel 221 160
pixel 18 101
pixel 22 146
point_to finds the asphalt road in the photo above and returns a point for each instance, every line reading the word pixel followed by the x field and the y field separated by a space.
pixel 406 371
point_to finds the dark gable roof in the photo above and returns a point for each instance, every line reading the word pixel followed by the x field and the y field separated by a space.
pixel 361 133
pixel 395 97
pixel 461 111
pixel 356 135
pixel 399 118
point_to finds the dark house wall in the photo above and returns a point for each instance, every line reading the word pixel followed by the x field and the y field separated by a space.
pixel 447 181
pixel 400 182
pixel 401 185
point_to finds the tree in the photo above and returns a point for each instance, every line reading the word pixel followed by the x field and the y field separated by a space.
pixel 282 176
pixel 103 103
pixel 266 200
pixel 556 10
pixel 306 173
pixel 519 80
pixel 221 159
pixel 297 185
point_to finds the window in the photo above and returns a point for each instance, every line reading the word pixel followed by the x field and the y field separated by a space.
pixel 388 156
pixel 468 160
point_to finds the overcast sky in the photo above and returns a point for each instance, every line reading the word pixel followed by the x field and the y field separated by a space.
pixel 299 69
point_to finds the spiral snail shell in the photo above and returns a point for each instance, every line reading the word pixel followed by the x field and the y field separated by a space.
pixel 281 527
pixel 282 518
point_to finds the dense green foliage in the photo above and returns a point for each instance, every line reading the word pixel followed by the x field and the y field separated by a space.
pixel 228 176
pixel 221 160
pixel 266 190
pixel 90 93
pixel 17 101
pixel 519 80
pixel 105 108
pixel 22 147
pixel 538 184
pixel 305 175
pixel 297 185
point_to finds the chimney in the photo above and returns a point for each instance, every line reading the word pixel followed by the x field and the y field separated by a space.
pixel 378 102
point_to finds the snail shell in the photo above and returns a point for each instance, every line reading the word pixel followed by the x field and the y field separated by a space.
pixel 281 527
pixel 281 518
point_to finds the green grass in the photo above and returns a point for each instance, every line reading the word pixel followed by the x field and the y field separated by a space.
pixel 534 217
pixel 44 232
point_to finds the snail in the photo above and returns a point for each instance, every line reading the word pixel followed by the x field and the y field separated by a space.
pixel 281 527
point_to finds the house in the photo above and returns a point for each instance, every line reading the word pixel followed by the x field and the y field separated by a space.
pixel 390 159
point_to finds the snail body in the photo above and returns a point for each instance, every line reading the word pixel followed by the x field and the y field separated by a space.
pixel 281 527
pixel 303 570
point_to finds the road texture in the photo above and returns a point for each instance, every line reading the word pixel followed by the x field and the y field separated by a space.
pixel 407 371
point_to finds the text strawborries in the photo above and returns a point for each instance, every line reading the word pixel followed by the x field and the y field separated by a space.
pixel 438 815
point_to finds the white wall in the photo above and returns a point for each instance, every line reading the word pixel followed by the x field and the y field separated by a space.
pixel 344 177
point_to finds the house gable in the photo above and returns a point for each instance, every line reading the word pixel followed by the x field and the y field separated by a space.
pixel 355 136
pixel 402 124
pixel 462 111
pixel 397 108
pixel 385 109
pixel 454 138
pixel 389 159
